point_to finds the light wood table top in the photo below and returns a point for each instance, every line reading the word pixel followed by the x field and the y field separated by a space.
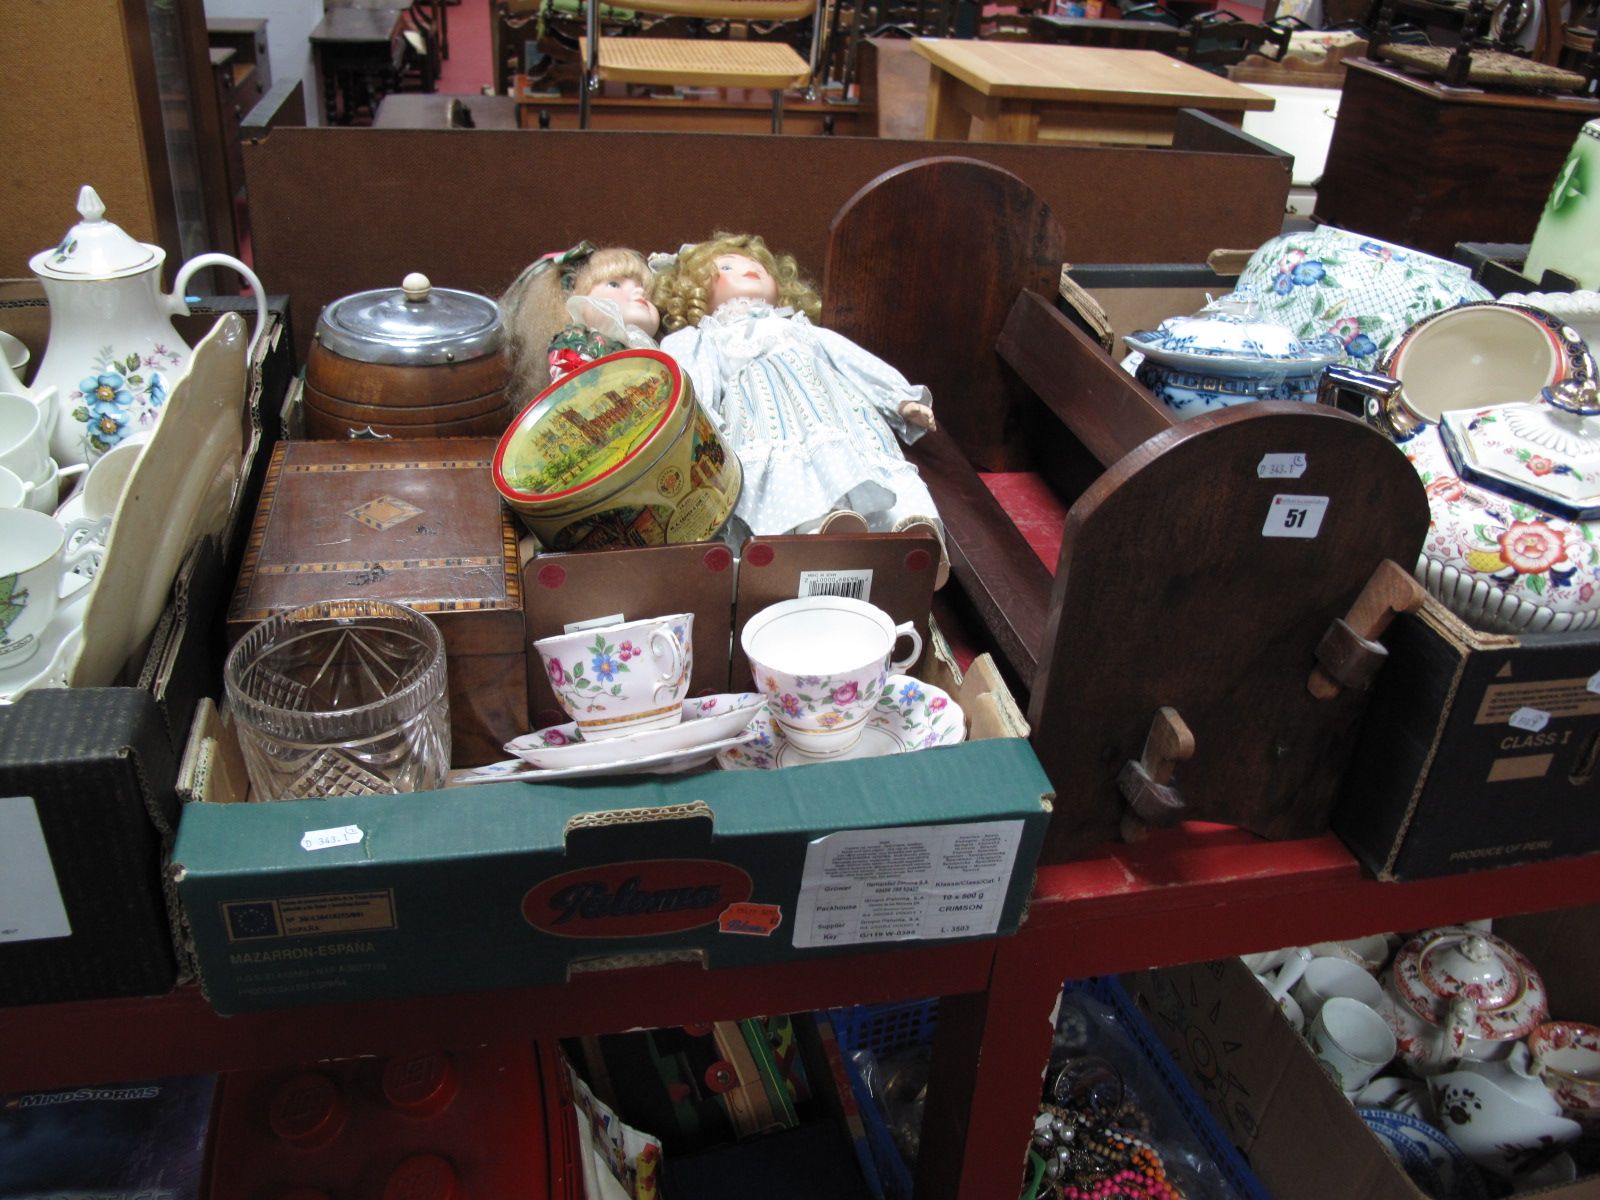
pixel 699 62
pixel 1028 71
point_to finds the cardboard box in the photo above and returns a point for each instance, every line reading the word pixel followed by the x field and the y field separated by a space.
pixel 87 807
pixel 1261 1082
pixel 89 775
pixel 1477 750
pixel 504 885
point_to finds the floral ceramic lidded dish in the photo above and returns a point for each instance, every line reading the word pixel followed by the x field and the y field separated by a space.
pixel 1363 292
pixel 1229 354
pixel 1512 491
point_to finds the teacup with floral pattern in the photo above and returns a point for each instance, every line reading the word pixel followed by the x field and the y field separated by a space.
pixel 821 661
pixel 622 678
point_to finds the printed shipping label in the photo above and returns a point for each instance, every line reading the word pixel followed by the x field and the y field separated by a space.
pixel 894 885
pixel 1552 697
pixel 31 908
pixel 297 916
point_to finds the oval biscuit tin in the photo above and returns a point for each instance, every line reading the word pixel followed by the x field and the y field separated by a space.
pixel 618 453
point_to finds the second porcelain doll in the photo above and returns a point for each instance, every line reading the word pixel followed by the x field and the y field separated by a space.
pixel 813 417
pixel 569 309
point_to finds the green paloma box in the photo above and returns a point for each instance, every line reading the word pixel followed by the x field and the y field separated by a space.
pixel 511 884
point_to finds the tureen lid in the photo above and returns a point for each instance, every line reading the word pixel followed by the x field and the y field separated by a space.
pixel 95 248
pixel 415 324
pixel 1230 334
pixel 1545 451
pixel 1441 965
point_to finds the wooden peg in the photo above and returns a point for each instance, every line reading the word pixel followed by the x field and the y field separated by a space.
pixel 1146 784
pixel 1349 654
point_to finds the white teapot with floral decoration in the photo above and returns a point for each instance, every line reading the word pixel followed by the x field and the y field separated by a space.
pixel 1456 993
pixel 113 353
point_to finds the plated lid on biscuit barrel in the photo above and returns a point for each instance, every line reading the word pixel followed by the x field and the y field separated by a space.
pixel 415 324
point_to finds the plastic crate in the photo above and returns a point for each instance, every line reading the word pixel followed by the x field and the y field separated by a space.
pixel 1223 1152
pixel 883 1029
pixel 888 1027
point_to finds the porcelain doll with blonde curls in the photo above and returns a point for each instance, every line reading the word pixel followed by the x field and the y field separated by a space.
pixel 813 417
pixel 569 309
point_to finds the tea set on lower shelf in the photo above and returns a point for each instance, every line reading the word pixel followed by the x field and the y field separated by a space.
pixel 1445 1044
pixel 829 690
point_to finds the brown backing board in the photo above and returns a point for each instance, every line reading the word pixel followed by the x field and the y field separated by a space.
pixel 1169 593
pixel 630 585
pixel 1004 238
pixel 901 584
pixel 490 201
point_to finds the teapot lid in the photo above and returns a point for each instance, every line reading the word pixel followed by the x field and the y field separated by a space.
pixel 1441 965
pixel 415 324
pixel 95 248
pixel 1545 452
pixel 1229 334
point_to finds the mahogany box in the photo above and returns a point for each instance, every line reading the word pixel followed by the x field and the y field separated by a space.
pixel 417 522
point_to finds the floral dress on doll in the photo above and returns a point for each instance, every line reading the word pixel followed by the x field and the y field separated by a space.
pixel 811 416
pixel 597 329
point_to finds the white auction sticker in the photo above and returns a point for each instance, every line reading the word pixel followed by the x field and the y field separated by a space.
pixel 1594 683
pixel 914 883
pixel 325 839
pixel 1281 466
pixel 1531 720
pixel 1295 516
pixel 31 908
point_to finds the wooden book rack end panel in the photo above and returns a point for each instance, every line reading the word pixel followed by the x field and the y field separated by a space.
pixel 924 263
pixel 1194 578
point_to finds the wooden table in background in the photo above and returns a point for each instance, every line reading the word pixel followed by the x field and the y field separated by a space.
pixel 1022 92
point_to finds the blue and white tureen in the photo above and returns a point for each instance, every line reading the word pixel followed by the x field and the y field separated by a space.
pixel 1227 354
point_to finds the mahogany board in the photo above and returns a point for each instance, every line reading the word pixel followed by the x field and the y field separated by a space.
pixel 417 522
pixel 492 200
pixel 1169 593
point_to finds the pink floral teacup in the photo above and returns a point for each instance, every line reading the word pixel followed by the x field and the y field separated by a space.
pixel 1566 1056
pixel 821 661
pixel 623 678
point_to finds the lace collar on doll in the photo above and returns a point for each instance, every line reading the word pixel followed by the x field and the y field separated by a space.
pixel 605 317
pixel 744 307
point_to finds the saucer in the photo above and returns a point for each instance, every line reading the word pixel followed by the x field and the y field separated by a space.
pixel 666 762
pixel 909 715
pixel 1430 1158
pixel 708 719
pixel 58 647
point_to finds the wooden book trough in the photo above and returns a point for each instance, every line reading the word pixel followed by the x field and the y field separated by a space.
pixel 1201 650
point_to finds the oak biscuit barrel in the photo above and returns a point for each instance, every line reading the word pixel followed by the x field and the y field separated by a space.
pixel 412 362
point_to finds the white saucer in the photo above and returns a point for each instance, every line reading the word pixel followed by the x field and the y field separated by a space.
pixel 708 719
pixel 668 762
pixel 909 715
pixel 58 647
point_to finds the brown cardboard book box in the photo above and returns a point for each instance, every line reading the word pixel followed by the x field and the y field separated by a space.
pixel 1261 1082
pixel 1445 780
